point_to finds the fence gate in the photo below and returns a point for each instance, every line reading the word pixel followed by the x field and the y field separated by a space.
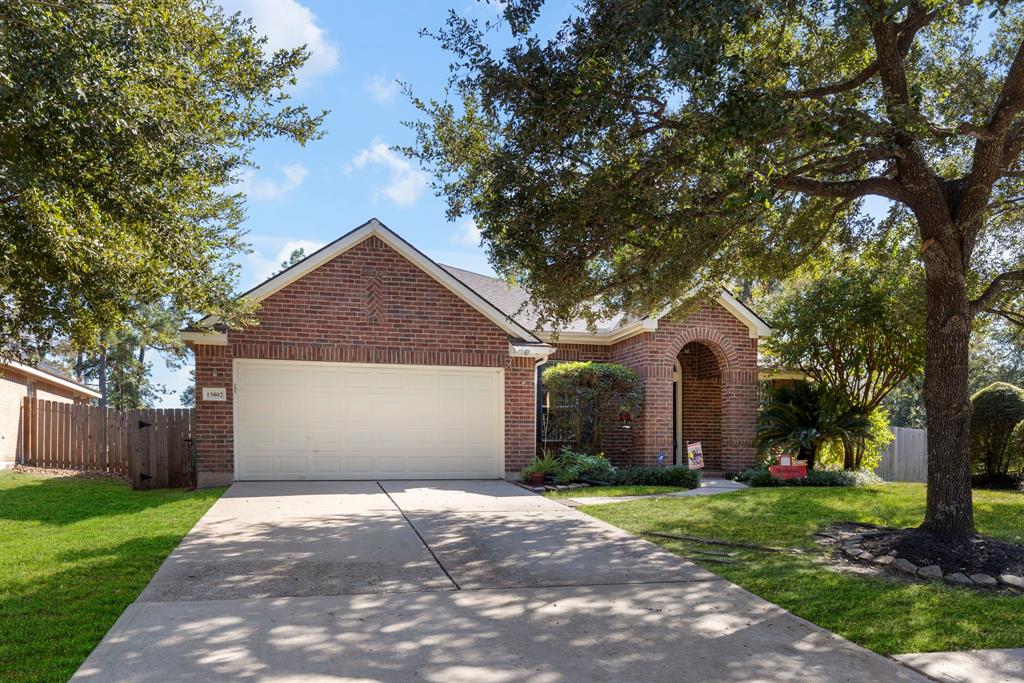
pixel 151 447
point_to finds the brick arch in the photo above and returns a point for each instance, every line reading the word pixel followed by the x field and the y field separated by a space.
pixel 725 353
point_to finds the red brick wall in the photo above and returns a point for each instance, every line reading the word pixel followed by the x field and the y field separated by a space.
pixel 701 409
pixel 653 354
pixel 520 413
pixel 214 430
pixel 368 305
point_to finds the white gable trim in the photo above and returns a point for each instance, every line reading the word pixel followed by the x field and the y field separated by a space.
pixel 204 338
pixel 374 228
pixel 755 326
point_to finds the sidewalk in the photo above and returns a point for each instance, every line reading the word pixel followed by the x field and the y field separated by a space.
pixel 708 487
pixel 972 666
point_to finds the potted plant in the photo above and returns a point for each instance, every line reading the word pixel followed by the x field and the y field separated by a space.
pixel 537 471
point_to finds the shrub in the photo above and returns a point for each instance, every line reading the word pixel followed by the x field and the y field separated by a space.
pixel 804 417
pixel 997 409
pixel 658 476
pixel 758 476
pixel 867 452
pixel 761 477
pixel 586 396
pixel 576 466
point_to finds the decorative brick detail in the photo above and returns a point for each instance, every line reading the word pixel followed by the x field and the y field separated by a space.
pixel 374 301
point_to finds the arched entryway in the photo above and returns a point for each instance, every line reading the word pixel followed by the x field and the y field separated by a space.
pixel 697 403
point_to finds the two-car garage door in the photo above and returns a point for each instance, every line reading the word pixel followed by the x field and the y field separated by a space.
pixel 299 420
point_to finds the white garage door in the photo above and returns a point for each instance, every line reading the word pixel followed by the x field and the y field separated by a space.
pixel 298 420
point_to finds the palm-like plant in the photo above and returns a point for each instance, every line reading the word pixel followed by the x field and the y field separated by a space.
pixel 805 416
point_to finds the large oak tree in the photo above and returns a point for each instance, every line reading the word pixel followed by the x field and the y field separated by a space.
pixel 647 146
pixel 123 126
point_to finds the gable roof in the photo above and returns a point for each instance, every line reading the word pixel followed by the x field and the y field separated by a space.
pixel 507 306
pixel 514 302
pixel 372 228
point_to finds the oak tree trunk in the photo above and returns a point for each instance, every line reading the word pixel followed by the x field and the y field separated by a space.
pixel 947 404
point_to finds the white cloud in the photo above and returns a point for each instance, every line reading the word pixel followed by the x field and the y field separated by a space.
pixel 267 189
pixel 262 267
pixel 406 183
pixel 466 233
pixel 288 24
pixel 496 6
pixel 381 88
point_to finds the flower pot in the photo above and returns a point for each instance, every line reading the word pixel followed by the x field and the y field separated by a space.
pixel 536 479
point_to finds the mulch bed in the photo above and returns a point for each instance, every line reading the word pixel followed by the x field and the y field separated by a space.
pixel 976 555
pixel 980 562
pixel 81 474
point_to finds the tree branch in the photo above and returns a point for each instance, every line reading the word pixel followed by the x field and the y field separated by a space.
pixel 994 289
pixel 906 31
pixel 1015 317
pixel 843 189
pixel 992 154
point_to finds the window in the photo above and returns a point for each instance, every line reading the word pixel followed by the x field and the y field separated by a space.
pixel 545 431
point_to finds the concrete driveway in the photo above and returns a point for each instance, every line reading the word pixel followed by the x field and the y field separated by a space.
pixel 448 581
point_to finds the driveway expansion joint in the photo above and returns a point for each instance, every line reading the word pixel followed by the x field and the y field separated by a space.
pixel 420 536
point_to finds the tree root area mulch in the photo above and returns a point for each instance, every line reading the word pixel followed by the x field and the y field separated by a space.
pixel 976 555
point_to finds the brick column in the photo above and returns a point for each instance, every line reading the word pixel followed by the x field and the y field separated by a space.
pixel 214 419
pixel 520 414
pixel 739 418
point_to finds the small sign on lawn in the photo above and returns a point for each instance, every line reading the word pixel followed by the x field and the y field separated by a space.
pixel 694 456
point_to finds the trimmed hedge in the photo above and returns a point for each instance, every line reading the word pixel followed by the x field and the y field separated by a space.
pixel 760 476
pixel 657 476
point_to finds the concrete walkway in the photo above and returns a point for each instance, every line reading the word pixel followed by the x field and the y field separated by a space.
pixel 708 487
pixel 448 581
pixel 973 666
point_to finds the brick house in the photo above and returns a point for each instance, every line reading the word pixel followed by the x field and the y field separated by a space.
pixel 371 361
pixel 18 381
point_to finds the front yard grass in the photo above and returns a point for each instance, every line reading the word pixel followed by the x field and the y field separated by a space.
pixel 74 553
pixel 883 615
pixel 613 491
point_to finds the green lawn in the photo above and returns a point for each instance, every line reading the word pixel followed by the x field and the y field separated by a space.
pixel 73 554
pixel 886 616
pixel 616 491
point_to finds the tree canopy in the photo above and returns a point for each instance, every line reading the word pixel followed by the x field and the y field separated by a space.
pixel 854 322
pixel 648 149
pixel 123 126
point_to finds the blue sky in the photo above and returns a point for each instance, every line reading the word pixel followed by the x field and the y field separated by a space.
pixel 307 196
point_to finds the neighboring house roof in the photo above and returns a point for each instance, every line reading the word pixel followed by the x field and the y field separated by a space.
pixel 504 304
pixel 47 373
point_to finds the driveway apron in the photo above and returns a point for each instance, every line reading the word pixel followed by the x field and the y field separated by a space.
pixel 448 581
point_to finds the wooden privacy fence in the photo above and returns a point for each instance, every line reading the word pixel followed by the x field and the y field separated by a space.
pixel 906 458
pixel 151 447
